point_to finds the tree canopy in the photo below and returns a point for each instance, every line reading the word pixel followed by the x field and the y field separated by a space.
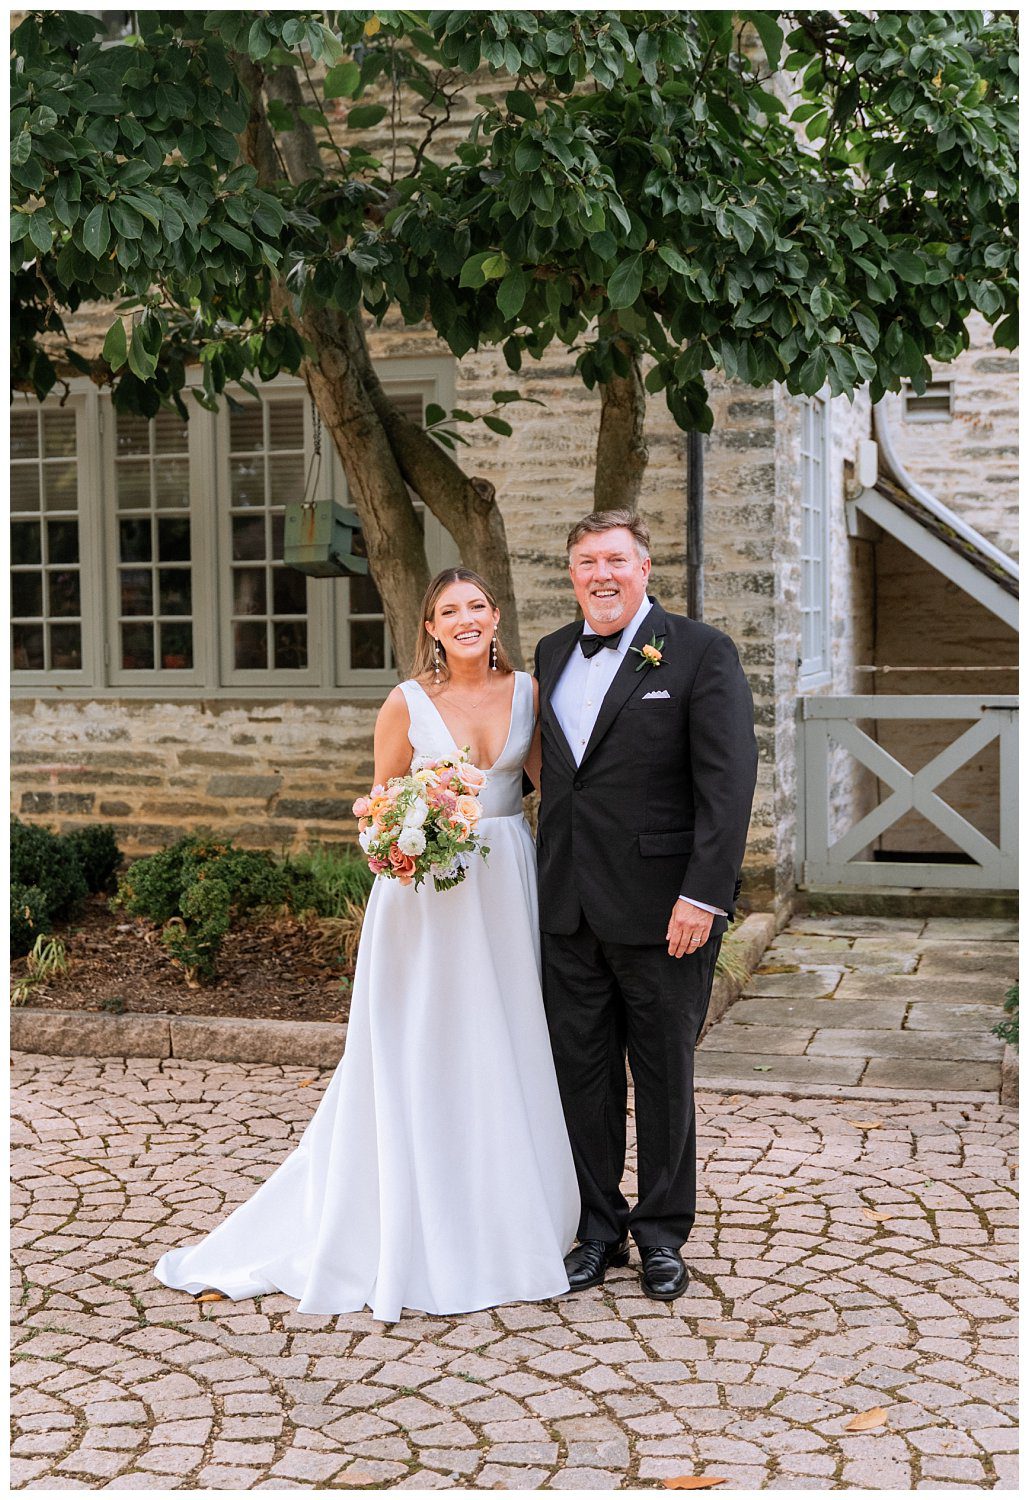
pixel 643 186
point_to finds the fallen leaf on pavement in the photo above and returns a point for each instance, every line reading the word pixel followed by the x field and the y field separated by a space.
pixel 692 1482
pixel 211 1297
pixel 864 1420
pixel 873 1213
pixel 305 1083
pixel 763 1068
pixel 866 1124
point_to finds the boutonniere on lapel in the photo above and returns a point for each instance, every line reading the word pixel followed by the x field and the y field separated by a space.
pixel 652 654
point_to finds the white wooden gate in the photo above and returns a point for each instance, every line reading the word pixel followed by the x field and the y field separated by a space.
pixel 825 722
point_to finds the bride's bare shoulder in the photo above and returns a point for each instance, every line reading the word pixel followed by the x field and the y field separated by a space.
pixel 394 711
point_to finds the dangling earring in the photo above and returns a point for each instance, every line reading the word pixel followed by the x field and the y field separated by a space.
pixel 493 653
pixel 435 659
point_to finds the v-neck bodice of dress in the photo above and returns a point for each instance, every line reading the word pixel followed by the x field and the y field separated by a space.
pixel 502 795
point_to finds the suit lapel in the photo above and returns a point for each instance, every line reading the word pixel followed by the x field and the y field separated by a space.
pixel 624 680
pixel 551 677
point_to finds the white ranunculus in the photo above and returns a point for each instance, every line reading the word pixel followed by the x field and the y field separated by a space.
pixel 416 813
pixel 411 841
pixel 364 838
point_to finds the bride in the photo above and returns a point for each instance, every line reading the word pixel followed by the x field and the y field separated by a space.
pixel 436 1172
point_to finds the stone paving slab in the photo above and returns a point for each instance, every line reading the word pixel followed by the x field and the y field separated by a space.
pixel 951 1018
pixel 923 1073
pixel 713 1062
pixel 810 1015
pixel 935 989
pixel 835 1267
pixel 936 1044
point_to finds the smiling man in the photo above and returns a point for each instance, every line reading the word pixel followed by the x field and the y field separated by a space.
pixel 648 769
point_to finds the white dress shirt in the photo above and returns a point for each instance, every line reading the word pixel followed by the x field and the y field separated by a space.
pixel 581 688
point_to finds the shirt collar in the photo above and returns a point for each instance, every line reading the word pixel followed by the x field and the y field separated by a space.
pixel 629 633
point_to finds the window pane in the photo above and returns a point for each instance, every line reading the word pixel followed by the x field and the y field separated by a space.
pixel 133 435
pixel 137 648
pixel 171 433
pixel 26 595
pixel 171 483
pixel 61 486
pixel 286 424
pixel 174 590
pixel 250 646
pixel 24 487
pixel 173 539
pixel 137 593
pixel 58 433
pixel 278 535
pixel 24 434
pixel 285 479
pixel 367 644
pixel 290 591
pixel 62 541
pixel 134 544
pixel 133 481
pixel 27 648
pixel 176 647
pixel 247 481
pixel 291 644
pixel 364 596
pixel 246 428
pixel 248 591
pixel 63 589
pixel 247 537
pixel 25 542
pixel 66 648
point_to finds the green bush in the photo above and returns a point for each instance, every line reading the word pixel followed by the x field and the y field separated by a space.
pixel 1007 1030
pixel 42 859
pixel 200 885
pixel 96 849
pixel 30 916
pixel 341 878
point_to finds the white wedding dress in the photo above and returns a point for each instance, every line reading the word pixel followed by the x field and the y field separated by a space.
pixel 436 1172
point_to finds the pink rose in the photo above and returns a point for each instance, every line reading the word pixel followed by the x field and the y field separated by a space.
pixel 473 778
pixel 362 807
pixel 377 866
pixel 469 809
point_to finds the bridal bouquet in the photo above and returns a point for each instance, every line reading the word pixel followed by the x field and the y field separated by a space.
pixel 424 823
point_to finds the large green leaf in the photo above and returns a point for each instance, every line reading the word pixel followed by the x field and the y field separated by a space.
pixel 96 231
pixel 626 282
pixel 116 345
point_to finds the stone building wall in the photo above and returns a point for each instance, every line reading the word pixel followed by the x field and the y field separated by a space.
pixel 971 462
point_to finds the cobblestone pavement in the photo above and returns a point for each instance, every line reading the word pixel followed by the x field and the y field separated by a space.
pixel 885 1005
pixel 846 1256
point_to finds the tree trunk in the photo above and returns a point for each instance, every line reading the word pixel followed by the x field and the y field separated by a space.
pixel 393 538
pixel 621 443
pixel 466 506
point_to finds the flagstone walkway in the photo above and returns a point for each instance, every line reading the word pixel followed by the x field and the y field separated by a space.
pixel 848 1256
pixel 878 1007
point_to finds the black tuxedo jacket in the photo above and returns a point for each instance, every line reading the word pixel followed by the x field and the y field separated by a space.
pixel 660 804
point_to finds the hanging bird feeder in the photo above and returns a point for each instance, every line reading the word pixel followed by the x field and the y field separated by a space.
pixel 319 535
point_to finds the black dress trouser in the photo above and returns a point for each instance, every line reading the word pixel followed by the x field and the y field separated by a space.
pixel 602 1000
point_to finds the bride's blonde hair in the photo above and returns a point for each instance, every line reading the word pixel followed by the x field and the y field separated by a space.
pixel 423 665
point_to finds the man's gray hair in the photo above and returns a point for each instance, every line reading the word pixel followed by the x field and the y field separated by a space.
pixel 607 520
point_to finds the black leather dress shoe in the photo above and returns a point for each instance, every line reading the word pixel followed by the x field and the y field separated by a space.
pixel 587 1262
pixel 664 1276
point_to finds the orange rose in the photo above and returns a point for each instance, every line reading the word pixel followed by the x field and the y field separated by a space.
pixel 401 864
pixel 469 809
pixel 461 826
pixel 651 654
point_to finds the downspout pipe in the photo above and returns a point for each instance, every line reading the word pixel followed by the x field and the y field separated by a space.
pixel 695 525
pixel 896 471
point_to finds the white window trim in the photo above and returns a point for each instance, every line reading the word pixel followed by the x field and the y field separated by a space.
pixel 816 671
pixel 433 376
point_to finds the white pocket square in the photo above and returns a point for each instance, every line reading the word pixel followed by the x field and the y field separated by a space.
pixel 661 693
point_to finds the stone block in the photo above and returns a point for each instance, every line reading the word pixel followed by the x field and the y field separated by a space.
pixel 742 1067
pixel 934 989
pixel 783 1041
pixel 114 809
pixel 923 1073
pixel 812 984
pixel 66 1033
pixel 937 1045
pixel 330 809
pixel 816 1014
pixel 75 802
pixel 950 1018
pixel 227 785
pixel 37 802
pixel 1009 1076
pixel 316 1044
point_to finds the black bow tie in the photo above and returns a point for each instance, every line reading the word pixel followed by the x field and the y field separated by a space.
pixel 589 645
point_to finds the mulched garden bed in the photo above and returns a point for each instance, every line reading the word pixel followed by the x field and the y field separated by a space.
pixel 266 971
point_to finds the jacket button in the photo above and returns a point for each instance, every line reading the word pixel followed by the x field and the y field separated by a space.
pixel 579 786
